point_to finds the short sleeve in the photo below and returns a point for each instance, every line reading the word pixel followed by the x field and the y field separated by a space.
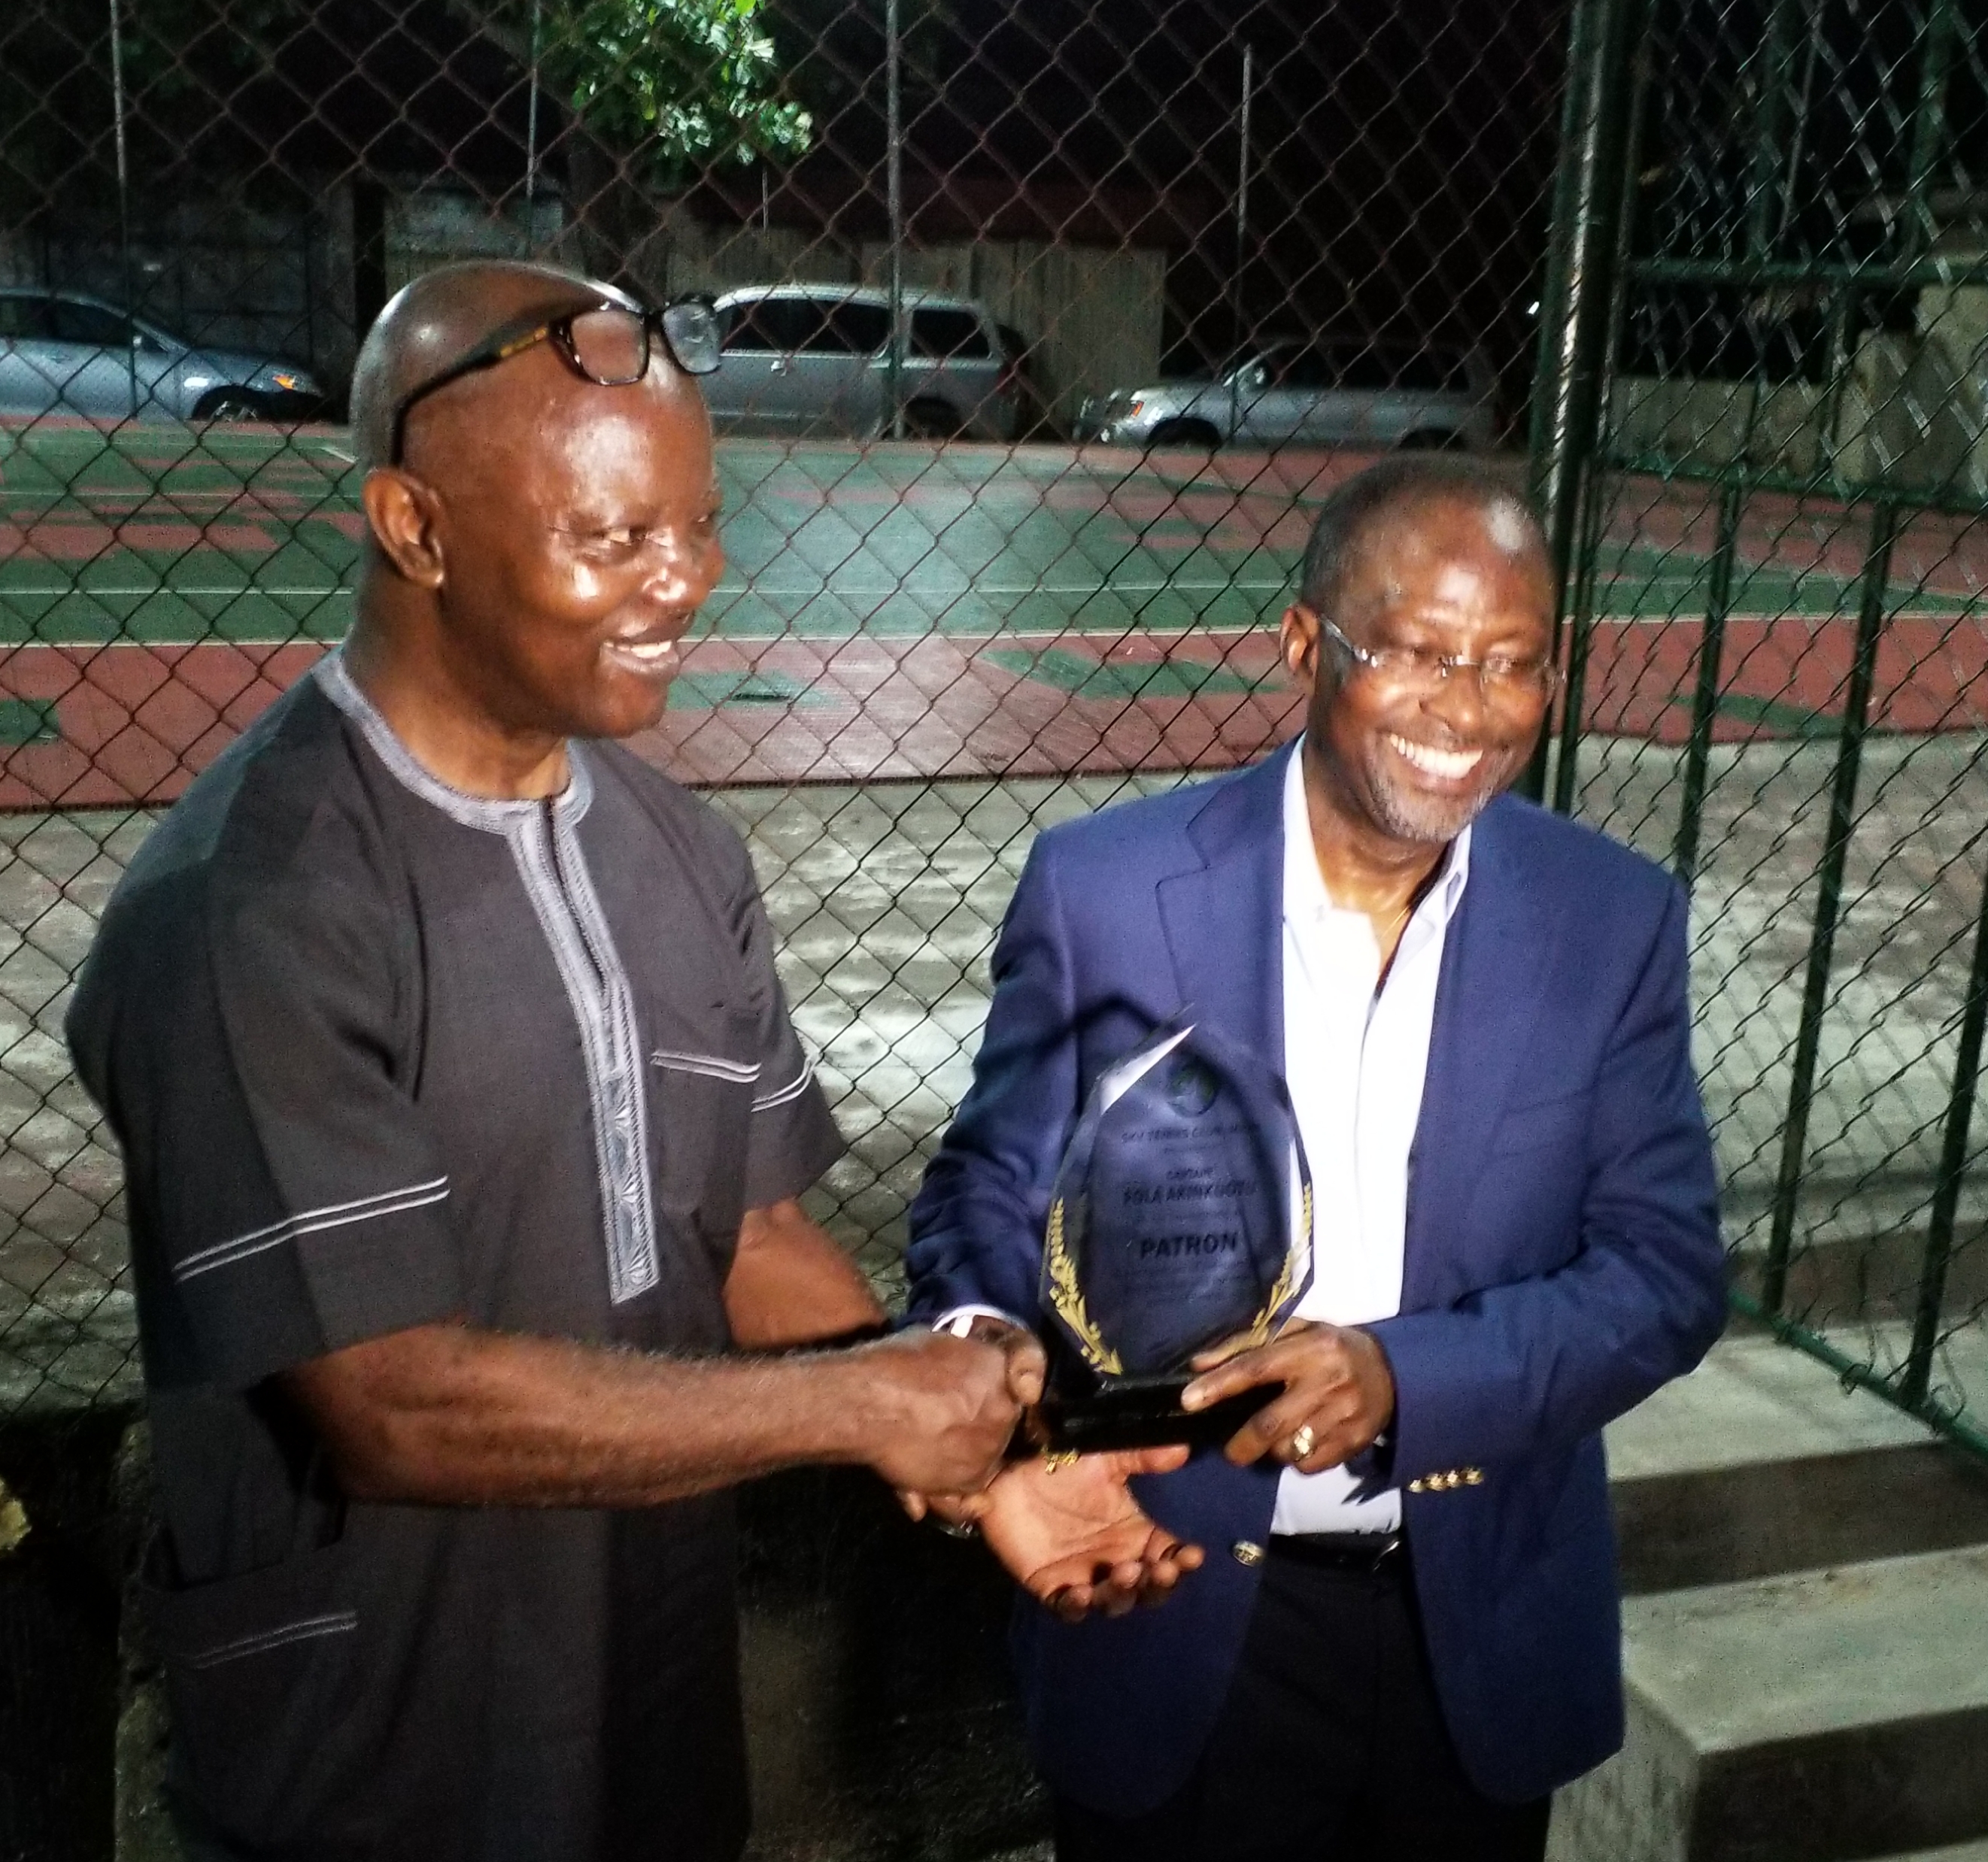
pixel 251 1041
pixel 794 1136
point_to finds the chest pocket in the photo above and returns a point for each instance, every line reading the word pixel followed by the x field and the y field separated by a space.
pixel 701 1104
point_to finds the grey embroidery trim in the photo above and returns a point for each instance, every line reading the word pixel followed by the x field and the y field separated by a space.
pixel 311 1222
pixel 333 1623
pixel 561 892
pixel 765 1102
pixel 712 1066
pixel 485 812
pixel 596 986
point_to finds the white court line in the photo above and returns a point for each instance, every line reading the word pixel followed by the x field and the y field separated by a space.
pixel 1017 588
pixel 847 594
pixel 1609 621
pixel 230 594
pixel 1190 630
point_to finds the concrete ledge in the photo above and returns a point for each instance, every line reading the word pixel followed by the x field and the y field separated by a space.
pixel 1753 1401
pixel 1815 1717
pixel 1762 1462
pixel 1816 1652
pixel 1678 1531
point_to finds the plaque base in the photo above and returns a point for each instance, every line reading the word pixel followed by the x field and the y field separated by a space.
pixel 1134 1413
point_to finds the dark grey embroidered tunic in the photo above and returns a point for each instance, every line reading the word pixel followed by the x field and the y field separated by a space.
pixel 381 1054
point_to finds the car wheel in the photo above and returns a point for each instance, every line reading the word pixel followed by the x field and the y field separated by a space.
pixel 1190 436
pixel 229 404
pixel 931 419
pixel 1432 439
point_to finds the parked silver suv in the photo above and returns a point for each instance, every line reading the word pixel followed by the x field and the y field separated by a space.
pixel 1330 392
pixel 815 359
pixel 63 353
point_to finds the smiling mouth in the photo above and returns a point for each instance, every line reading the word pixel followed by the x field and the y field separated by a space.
pixel 1445 766
pixel 647 656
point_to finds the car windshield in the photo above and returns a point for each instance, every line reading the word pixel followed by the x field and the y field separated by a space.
pixel 1248 358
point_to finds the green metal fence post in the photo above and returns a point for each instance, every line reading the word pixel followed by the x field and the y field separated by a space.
pixel 1770 113
pixel 1842 360
pixel 1580 621
pixel 1575 331
pixel 1928 124
pixel 1580 632
pixel 1952 1167
pixel 1829 901
pixel 1704 697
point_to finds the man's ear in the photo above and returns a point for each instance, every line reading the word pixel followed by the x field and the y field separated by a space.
pixel 1298 644
pixel 403 512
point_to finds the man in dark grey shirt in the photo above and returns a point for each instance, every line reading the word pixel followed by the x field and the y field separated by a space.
pixel 463 1122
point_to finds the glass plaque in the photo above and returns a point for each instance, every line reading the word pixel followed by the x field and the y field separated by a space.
pixel 1181 1215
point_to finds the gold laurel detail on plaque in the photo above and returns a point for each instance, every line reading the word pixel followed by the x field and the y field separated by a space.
pixel 1259 1329
pixel 1068 1298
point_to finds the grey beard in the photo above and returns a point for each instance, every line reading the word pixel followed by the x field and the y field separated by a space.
pixel 1431 823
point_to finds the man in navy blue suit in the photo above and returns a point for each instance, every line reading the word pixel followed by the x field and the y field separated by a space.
pixel 1404 1633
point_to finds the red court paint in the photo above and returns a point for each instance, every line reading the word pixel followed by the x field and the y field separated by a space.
pixel 138 722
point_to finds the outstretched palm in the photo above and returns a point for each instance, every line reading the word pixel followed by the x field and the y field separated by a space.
pixel 1072 1535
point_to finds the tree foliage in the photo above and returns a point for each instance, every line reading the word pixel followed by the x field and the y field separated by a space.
pixel 678 84
pixel 668 86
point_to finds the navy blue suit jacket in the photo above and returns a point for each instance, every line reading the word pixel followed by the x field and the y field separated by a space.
pixel 1562 1254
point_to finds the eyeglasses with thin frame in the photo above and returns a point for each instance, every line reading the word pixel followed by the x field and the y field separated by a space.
pixel 607 344
pixel 1502 678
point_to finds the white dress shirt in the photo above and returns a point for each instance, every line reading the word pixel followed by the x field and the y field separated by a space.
pixel 1355 1056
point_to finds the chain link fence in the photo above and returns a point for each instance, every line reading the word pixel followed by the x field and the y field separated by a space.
pixel 1046 327
pixel 975 586
pixel 1778 636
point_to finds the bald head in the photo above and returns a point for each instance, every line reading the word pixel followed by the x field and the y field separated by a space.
pixel 433 323
pixel 547 539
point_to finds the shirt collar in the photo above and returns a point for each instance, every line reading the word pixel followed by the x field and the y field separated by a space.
pixel 1305 895
pixel 490 813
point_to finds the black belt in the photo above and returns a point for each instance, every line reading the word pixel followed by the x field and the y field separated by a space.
pixel 1367 1552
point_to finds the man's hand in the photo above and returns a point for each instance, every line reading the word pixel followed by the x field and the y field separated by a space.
pixel 1337 1386
pixel 1072 1536
pixel 1027 1367
pixel 940 1411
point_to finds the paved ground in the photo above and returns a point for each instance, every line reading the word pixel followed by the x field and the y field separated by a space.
pixel 886 896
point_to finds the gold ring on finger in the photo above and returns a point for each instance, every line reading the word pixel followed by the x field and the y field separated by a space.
pixel 1303 1443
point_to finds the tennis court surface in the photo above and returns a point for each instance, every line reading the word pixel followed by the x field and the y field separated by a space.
pixel 897 611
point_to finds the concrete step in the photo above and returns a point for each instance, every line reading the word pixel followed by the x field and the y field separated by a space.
pixel 1763 1461
pixel 1806 1636
pixel 1809 1718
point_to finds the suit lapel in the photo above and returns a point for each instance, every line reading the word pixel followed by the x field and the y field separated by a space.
pixel 1224 920
pixel 1495 961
